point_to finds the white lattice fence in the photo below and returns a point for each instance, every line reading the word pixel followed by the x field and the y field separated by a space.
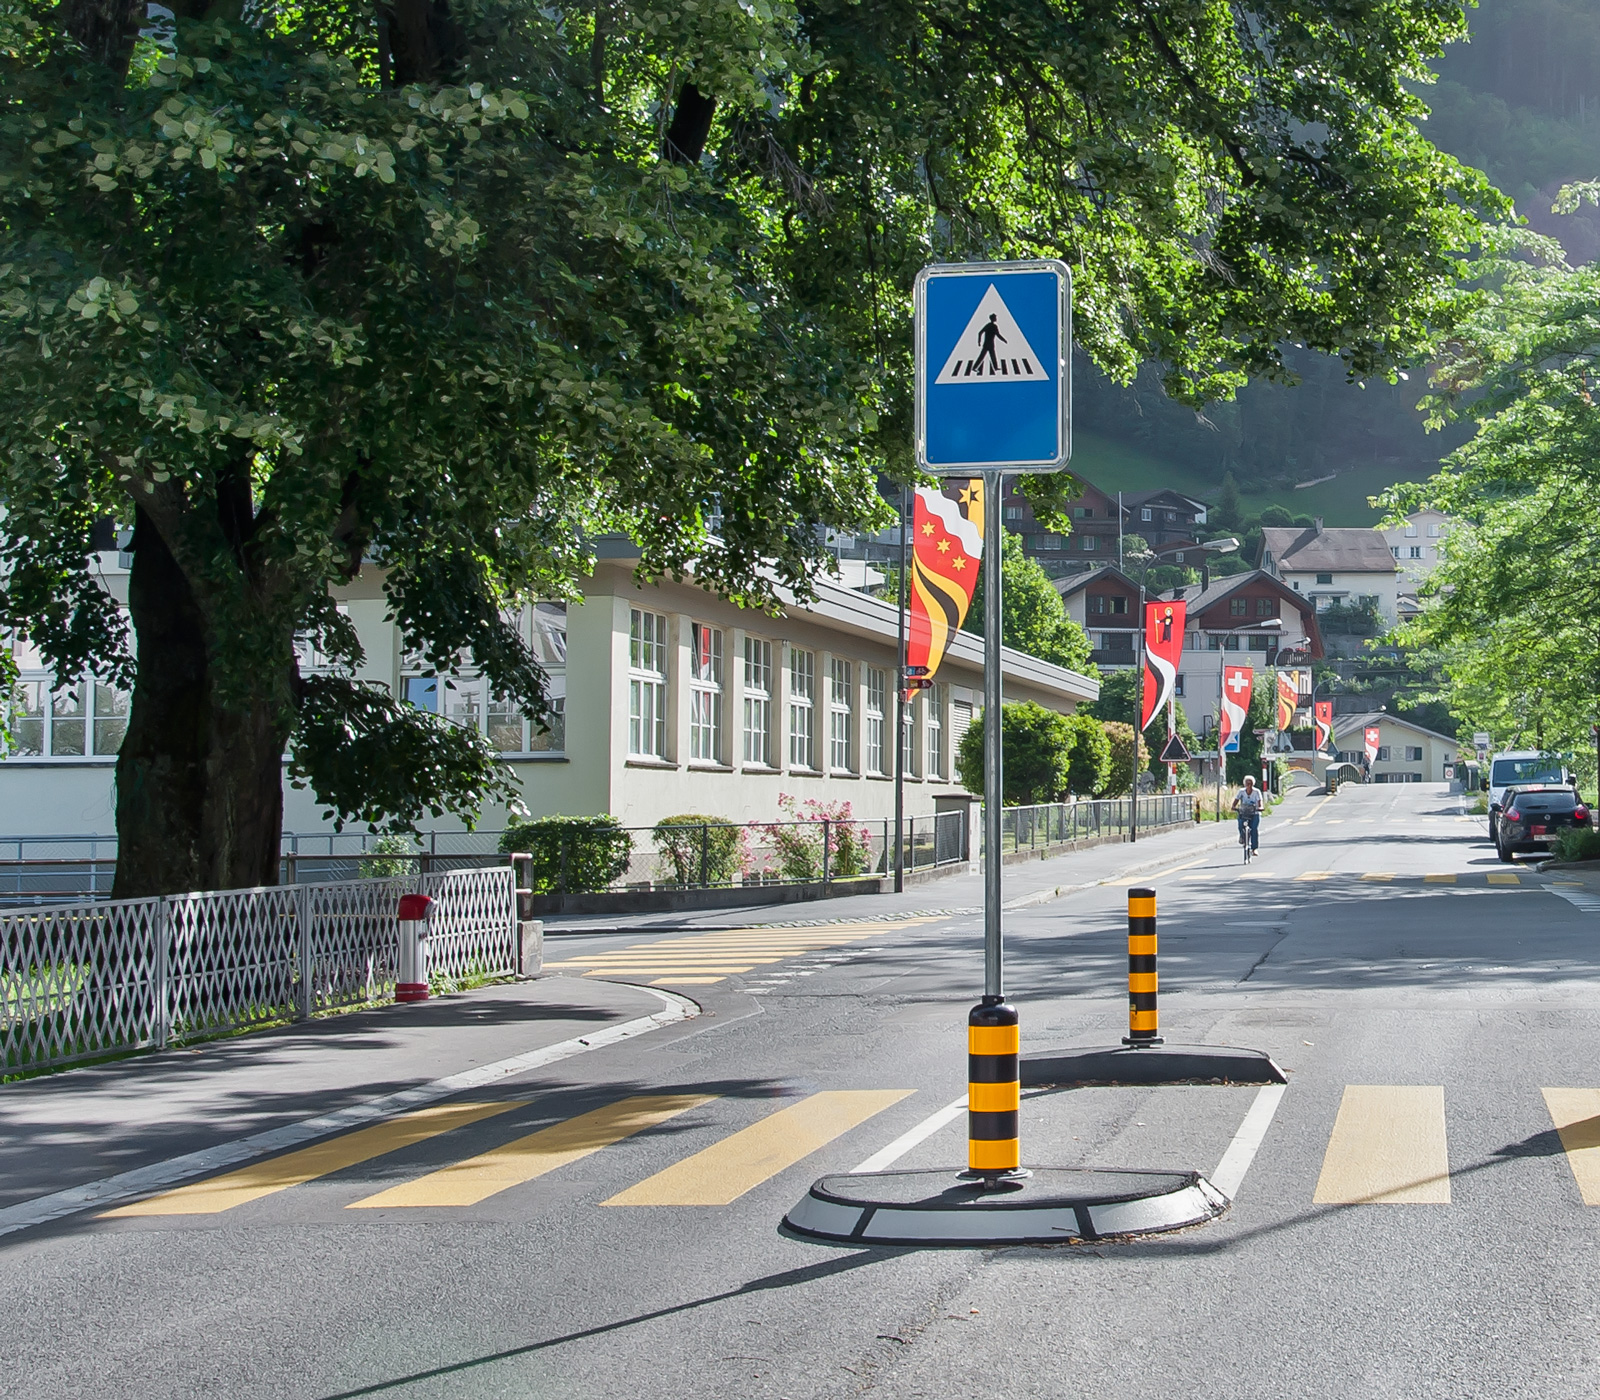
pixel 79 980
pixel 472 925
pixel 353 948
pixel 234 960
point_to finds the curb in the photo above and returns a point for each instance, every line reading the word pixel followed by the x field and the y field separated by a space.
pixel 112 1190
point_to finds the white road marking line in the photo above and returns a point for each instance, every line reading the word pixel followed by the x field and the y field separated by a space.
pixel 141 1181
pixel 1229 1175
pixel 882 1161
pixel 1579 899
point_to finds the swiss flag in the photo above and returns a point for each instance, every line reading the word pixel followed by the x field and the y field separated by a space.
pixel 1237 682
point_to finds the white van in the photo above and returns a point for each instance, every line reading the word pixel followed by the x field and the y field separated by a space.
pixel 1515 768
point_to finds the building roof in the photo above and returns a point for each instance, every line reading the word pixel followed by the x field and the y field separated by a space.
pixel 1199 599
pixel 1340 550
pixel 1069 585
pixel 1344 724
pixel 1133 499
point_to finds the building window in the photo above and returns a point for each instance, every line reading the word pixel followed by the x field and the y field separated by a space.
pixel 1411 531
pixel 1088 544
pixel 1414 754
pixel 840 712
pixel 1324 578
pixel 1258 643
pixel 877 699
pixel 1119 607
pixel 1394 549
pixel 80 720
pixel 908 730
pixel 933 727
pixel 1383 753
pixel 1051 541
pixel 1083 513
pixel 1013 512
pixel 647 684
pixel 1238 607
pixel 1231 642
pixel 1144 513
pixel 1179 556
pixel 1416 551
pixel 1433 532
pixel 1266 607
pixel 1097 603
pixel 802 708
pixel 705 695
pixel 548 638
pixel 757 701
pixel 1177 686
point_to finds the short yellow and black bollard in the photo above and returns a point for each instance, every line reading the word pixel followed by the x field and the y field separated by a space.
pixel 1143 1021
pixel 994 1091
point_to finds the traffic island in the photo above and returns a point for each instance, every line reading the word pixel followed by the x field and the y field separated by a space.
pixel 1147 1066
pixel 1053 1205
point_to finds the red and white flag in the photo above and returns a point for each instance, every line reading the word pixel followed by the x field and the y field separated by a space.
pixel 1163 649
pixel 1323 712
pixel 1371 737
pixel 1236 684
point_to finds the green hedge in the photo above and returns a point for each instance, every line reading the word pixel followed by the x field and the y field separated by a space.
pixel 571 855
pixel 1578 843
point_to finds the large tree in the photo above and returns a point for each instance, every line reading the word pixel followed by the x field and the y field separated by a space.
pixel 446 287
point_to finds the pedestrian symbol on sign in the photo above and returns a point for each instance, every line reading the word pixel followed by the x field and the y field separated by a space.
pixel 992 347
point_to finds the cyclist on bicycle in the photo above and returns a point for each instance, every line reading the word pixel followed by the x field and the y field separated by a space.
pixel 1248 805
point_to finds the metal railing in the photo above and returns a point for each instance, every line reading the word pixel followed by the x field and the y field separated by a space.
pixel 1056 823
pixel 83 980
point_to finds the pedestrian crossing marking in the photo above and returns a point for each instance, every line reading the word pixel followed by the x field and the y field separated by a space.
pixel 1335 821
pixel 475 1179
pixel 1505 879
pixel 1387 1147
pixel 706 958
pixel 1380 876
pixel 237 1188
pixel 723 1172
pixel 1314 875
pixel 1576 1114
pixel 1446 879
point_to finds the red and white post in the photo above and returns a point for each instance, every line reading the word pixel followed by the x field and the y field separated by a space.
pixel 411 981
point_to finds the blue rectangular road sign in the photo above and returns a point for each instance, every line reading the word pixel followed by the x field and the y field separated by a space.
pixel 993 367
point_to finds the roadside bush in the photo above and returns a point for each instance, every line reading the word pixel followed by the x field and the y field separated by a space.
pixel 696 847
pixel 1090 764
pixel 571 855
pixel 1037 748
pixel 1578 843
pixel 396 846
pixel 798 843
pixel 1119 772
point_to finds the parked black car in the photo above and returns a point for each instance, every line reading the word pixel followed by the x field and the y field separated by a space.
pixel 1532 817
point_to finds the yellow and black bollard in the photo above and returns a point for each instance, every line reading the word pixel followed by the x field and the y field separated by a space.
pixel 1143 1022
pixel 994 1091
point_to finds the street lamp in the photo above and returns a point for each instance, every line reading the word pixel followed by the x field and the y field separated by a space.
pixel 1228 544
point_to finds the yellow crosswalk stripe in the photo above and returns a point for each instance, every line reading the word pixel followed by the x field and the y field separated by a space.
pixel 724 1171
pixel 1505 879
pixel 1387 1147
pixel 527 1158
pixel 1576 1114
pixel 1445 879
pixel 236 1188
pixel 1314 875
pixel 1381 876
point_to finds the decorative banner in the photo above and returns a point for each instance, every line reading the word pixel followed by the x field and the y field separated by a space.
pixel 1324 720
pixel 1236 685
pixel 1371 737
pixel 1288 698
pixel 947 545
pixel 1163 649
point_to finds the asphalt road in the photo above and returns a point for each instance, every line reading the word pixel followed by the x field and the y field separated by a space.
pixel 1413 1224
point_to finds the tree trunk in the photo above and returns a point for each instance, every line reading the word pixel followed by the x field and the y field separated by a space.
pixel 199 786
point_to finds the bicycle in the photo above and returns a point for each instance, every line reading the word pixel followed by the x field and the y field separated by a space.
pixel 1244 840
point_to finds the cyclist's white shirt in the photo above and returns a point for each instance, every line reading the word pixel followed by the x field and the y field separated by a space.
pixel 1249 800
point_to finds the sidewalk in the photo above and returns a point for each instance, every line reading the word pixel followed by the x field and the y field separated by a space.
pixel 80 1126
pixel 1025 883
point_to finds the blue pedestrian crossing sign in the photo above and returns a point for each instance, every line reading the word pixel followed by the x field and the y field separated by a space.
pixel 993 367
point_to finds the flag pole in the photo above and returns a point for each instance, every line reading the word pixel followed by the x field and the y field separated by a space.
pixel 900 712
pixel 1138 715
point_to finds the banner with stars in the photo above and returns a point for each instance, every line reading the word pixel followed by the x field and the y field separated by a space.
pixel 947 546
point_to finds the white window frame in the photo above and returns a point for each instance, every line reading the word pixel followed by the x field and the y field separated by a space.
pixel 647 684
pixel 933 730
pixel 802 709
pixel 876 718
pixel 841 714
pixel 706 673
pixel 757 746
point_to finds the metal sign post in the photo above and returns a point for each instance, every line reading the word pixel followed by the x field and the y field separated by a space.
pixel 993 396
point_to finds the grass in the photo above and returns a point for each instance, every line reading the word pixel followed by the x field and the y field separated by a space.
pixel 1114 466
